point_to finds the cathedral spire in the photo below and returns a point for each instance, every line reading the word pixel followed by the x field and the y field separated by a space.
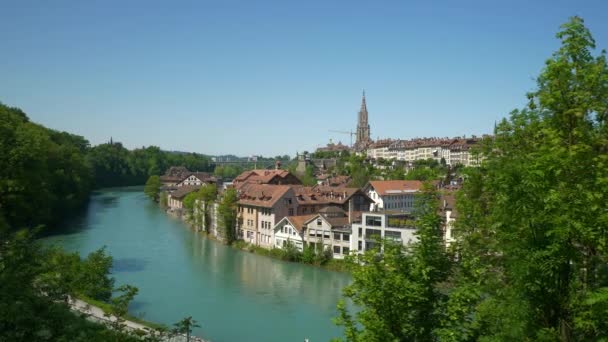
pixel 363 104
pixel 363 136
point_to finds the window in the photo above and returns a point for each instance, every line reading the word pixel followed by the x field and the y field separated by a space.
pixel 319 222
pixel 359 245
pixel 336 236
pixel 372 233
pixel 336 249
pixel 360 232
pixel 249 235
pixel 375 221
pixel 345 237
pixel 290 211
pixel 392 235
pixel 345 250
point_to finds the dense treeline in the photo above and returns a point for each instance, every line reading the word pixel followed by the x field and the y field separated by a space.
pixel 114 165
pixel 530 260
pixel 47 174
pixel 44 174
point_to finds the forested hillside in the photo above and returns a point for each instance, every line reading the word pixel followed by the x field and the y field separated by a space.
pixel 46 174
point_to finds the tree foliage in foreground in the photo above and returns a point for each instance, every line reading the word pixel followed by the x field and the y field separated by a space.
pixel 532 229
pixel 397 287
pixel 185 327
pixel 34 286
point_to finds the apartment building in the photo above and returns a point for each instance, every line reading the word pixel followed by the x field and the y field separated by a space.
pixel 259 208
pixel 453 150
pixel 375 227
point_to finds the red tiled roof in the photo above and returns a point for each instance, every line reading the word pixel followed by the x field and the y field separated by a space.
pixel 182 191
pixel 260 176
pixel 261 195
pixel 298 221
pixel 320 194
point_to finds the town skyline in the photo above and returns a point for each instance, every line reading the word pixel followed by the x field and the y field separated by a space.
pixel 212 79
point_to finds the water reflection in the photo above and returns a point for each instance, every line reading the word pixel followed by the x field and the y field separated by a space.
pixel 263 278
pixel 234 295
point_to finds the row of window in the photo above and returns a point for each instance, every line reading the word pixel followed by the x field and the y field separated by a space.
pixel 288 230
pixel 341 250
pixel 265 225
pixel 398 205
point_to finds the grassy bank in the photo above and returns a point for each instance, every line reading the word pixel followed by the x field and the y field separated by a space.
pixel 106 309
pixel 309 257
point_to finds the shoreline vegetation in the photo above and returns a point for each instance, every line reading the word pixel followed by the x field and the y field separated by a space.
pixel 323 262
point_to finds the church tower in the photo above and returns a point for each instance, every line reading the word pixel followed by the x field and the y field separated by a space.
pixel 363 136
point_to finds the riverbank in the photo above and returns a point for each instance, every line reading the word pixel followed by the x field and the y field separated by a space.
pixel 281 254
pixel 319 260
pixel 181 273
pixel 98 312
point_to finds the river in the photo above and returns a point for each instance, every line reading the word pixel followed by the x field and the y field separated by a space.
pixel 234 295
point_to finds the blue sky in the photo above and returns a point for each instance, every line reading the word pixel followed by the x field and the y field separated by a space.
pixel 272 77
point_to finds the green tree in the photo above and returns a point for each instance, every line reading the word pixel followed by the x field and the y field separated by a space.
pixel 533 238
pixel 308 178
pixel 397 287
pixel 189 205
pixel 227 215
pixel 207 194
pixel 185 326
pixel 152 188
pixel 119 305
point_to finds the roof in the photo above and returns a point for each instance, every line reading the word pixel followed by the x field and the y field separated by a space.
pixel 298 221
pixel 334 221
pixel 182 191
pixel 175 174
pixel 203 176
pixel 261 195
pixel 320 194
pixel 332 209
pixel 394 187
pixel 260 176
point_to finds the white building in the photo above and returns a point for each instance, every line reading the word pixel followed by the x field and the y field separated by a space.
pixel 327 230
pixel 290 230
pixel 197 178
pixel 394 195
pixel 374 226
pixel 452 150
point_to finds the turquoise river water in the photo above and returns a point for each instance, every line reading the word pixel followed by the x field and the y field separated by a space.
pixel 234 295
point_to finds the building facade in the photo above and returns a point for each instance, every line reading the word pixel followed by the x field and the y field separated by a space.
pixel 394 195
pixel 375 227
pixel 453 151
pixel 259 208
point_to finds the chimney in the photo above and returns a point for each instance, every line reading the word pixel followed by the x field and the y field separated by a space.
pixel 277 165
